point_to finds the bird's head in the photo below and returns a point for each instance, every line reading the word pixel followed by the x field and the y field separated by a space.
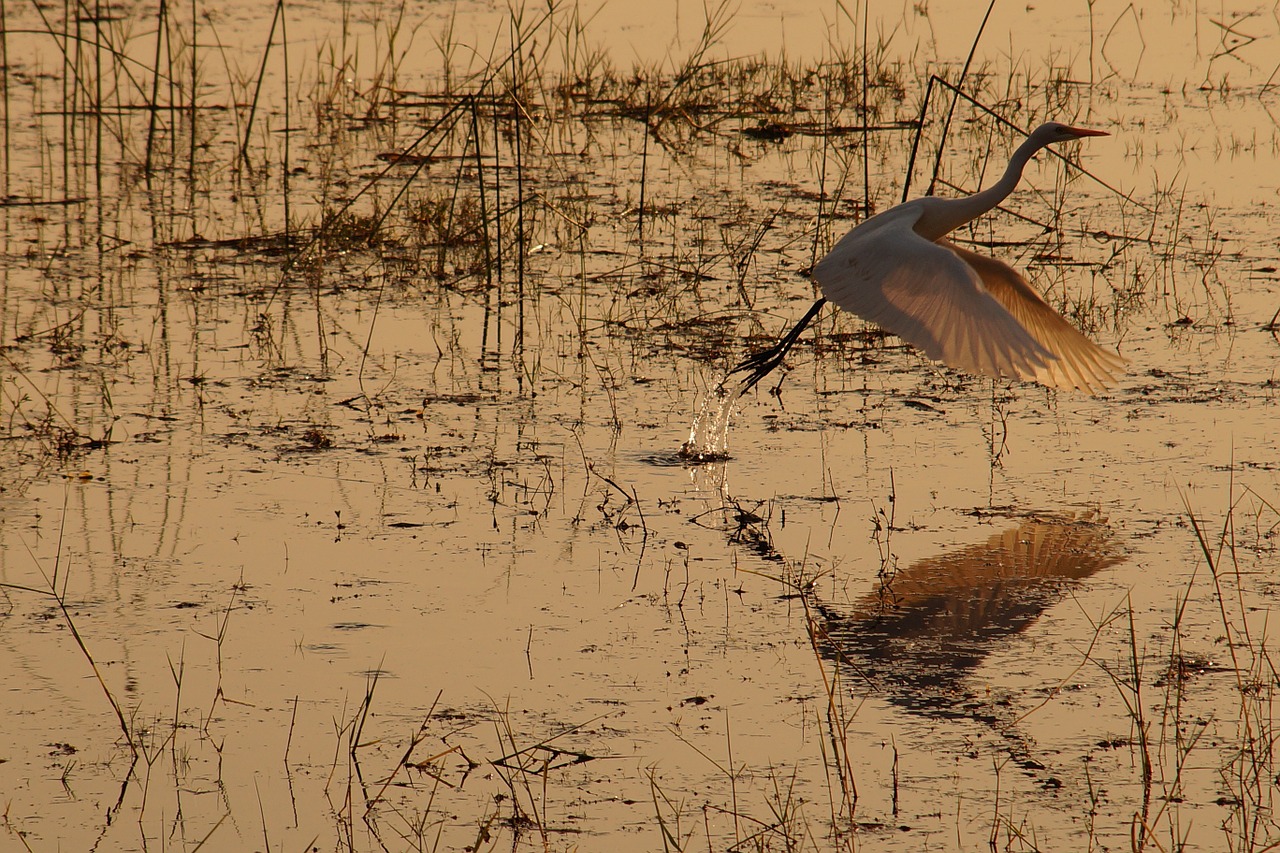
pixel 1055 131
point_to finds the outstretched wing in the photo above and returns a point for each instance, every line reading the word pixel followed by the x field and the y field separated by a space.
pixel 926 294
pixel 1077 361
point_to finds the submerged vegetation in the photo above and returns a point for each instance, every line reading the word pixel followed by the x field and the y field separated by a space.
pixel 282 327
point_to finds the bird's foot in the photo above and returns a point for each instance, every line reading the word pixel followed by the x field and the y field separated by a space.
pixel 757 366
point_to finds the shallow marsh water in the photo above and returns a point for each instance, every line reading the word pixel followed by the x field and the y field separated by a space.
pixel 386 544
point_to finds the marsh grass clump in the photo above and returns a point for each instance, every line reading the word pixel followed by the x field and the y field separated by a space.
pixel 348 231
pixel 316 438
pixel 448 230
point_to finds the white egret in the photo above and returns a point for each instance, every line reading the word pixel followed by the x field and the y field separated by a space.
pixel 966 310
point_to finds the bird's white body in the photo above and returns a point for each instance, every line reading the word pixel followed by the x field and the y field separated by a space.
pixel 964 309
pixel 969 311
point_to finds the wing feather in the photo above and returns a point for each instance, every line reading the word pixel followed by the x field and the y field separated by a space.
pixel 966 310
pixel 924 293
pixel 1078 361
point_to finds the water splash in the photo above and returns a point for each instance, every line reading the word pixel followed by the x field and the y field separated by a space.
pixel 709 435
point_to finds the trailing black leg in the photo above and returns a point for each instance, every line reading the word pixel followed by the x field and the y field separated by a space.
pixel 761 364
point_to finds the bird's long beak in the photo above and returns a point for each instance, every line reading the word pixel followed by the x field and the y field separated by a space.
pixel 1084 131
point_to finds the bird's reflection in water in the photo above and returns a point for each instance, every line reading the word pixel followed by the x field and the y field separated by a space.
pixel 916 638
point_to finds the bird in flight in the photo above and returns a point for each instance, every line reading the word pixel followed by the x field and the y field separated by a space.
pixel 969 311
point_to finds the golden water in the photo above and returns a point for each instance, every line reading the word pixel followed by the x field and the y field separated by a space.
pixel 449 485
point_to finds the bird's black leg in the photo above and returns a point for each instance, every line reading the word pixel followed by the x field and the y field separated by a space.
pixel 759 366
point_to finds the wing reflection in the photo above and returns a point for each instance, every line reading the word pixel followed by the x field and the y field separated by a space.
pixel 917 637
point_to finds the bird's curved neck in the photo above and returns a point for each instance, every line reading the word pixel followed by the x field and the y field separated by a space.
pixel 951 213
